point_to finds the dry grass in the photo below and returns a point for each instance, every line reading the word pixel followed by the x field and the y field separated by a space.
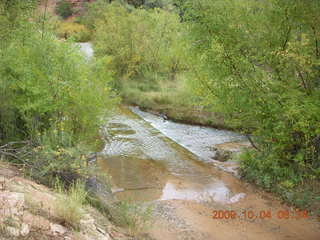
pixel 69 205
pixel 132 216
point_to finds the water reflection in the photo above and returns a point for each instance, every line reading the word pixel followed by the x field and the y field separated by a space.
pixel 87 49
pixel 217 192
pixel 146 165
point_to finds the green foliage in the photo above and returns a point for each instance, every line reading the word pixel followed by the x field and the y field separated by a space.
pixel 148 52
pixel 140 44
pixel 56 157
pixel 14 16
pixel 165 4
pixel 258 63
pixel 93 11
pixel 47 82
pixel 133 216
pixel 75 30
pixel 50 95
pixel 173 94
pixel 64 8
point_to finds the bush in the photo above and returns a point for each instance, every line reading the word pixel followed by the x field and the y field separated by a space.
pixel 120 34
pixel 53 85
pixel 56 99
pixel 258 63
pixel 56 157
pixel 93 11
pixel 50 96
pixel 64 8
pixel 75 30
pixel 151 3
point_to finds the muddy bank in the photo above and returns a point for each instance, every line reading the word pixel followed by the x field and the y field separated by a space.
pixel 192 116
pixel 156 162
pixel 181 220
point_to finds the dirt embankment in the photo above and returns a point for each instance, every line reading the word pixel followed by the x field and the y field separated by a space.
pixel 27 211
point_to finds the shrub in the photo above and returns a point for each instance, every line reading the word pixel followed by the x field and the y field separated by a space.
pixel 93 11
pixel 59 104
pixel 120 34
pixel 64 8
pixel 56 157
pixel 53 85
pixel 50 96
pixel 258 63
pixel 75 30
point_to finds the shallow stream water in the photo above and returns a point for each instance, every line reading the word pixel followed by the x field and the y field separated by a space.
pixel 173 166
pixel 152 159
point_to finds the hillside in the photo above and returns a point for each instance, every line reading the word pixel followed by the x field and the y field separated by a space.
pixel 29 211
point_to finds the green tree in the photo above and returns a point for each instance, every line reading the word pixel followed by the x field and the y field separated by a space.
pixel 64 8
pixel 140 43
pixel 50 95
pixel 258 63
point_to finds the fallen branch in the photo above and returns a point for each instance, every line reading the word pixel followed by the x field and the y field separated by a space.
pixel 252 143
pixel 15 150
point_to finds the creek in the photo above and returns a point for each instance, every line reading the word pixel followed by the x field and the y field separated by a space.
pixel 174 167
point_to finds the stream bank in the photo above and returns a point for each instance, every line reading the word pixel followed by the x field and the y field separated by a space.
pixel 33 211
pixel 169 166
pixel 188 115
pixel 172 166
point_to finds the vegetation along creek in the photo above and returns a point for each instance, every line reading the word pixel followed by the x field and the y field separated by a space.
pixel 159 120
pixel 172 166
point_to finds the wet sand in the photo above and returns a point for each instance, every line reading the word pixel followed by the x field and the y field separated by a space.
pixel 147 166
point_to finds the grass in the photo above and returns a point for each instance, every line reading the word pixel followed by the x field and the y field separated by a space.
pixel 70 204
pixel 132 216
pixel 173 99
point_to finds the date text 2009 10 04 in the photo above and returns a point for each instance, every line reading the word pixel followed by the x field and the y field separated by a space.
pixel 263 214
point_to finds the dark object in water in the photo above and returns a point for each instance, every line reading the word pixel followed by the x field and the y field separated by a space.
pixel 164 117
pixel 92 158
